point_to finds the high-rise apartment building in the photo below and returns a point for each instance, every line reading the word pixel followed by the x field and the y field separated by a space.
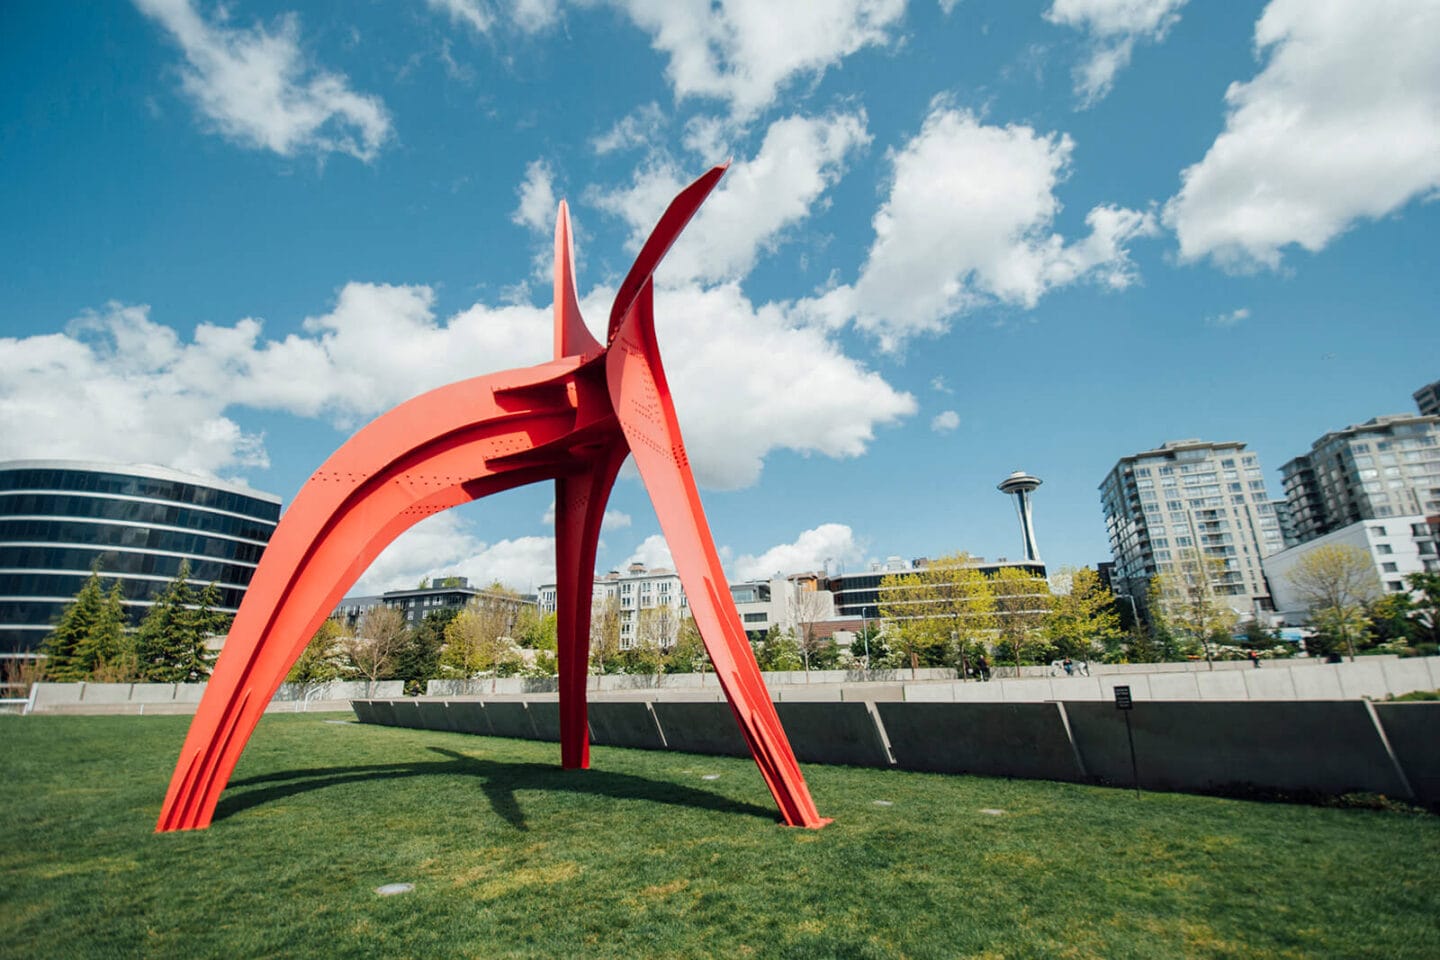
pixel 1427 398
pixel 635 592
pixel 1385 467
pixel 1163 505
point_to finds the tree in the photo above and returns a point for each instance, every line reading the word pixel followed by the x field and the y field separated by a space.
pixel 322 659
pixel 1391 619
pixel 1186 596
pixel 1022 603
pixel 605 634
pixel 1083 622
pixel 535 630
pixel 688 655
pixel 924 608
pixel 657 626
pixel 778 651
pixel 869 645
pixel 108 654
pixel 1335 581
pixel 1425 612
pixel 418 657
pixel 378 636
pixel 64 646
pixel 811 607
pixel 170 644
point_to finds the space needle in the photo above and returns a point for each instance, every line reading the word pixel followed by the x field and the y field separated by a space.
pixel 1019 485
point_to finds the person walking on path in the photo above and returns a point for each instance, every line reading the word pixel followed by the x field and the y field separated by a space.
pixel 1255 659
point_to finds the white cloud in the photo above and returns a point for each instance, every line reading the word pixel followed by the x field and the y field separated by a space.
pixel 830 542
pixel 654 553
pixel 744 51
pixel 641 127
pixel 968 221
pixel 754 205
pixel 1113 27
pixel 120 386
pixel 257 89
pixel 537 199
pixel 531 16
pixel 445 545
pixel 1341 124
pixel 469 12
pixel 746 382
pixel 106 390
pixel 945 421
pixel 938 384
pixel 1228 319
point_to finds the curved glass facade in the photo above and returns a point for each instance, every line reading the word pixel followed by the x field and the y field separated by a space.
pixel 58 519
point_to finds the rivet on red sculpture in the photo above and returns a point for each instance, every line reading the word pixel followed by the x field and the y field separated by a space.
pixel 572 420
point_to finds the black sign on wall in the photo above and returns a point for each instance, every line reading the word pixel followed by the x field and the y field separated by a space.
pixel 1122 698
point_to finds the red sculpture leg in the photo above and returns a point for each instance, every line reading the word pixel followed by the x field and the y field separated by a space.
pixel 642 403
pixel 579 509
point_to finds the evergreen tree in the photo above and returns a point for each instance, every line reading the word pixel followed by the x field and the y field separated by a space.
pixel 170 643
pixel 64 647
pixel 103 654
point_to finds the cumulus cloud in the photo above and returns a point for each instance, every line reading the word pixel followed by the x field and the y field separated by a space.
pixel 445 545
pixel 743 52
pixel 120 386
pixel 945 421
pixel 470 13
pixel 639 128
pixel 968 221
pixel 654 553
pixel 832 543
pixel 530 16
pixel 257 89
pixel 537 206
pixel 1113 27
pixel 756 203
pixel 1228 319
pixel 747 381
pixel 1341 124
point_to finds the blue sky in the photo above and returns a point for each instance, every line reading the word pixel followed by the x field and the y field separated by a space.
pixel 957 239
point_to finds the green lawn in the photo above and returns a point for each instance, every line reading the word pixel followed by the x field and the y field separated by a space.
pixel 656 854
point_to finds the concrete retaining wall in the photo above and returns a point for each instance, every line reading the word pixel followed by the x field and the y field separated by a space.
pixel 1298 747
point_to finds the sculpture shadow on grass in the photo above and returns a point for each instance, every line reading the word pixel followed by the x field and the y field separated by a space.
pixel 499 781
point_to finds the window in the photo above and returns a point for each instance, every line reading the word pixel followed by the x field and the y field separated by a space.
pixel 1378 531
pixel 1389 568
pixel 1384 549
pixel 1394 586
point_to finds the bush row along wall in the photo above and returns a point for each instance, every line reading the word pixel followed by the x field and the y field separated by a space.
pixel 1299 748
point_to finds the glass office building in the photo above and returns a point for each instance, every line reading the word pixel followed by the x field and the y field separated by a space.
pixel 61 518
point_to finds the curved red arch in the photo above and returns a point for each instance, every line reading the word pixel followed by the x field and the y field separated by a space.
pixel 573 420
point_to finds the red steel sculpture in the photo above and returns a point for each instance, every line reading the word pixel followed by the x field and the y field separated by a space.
pixel 572 420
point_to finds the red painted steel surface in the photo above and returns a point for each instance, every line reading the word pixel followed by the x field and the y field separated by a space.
pixel 573 420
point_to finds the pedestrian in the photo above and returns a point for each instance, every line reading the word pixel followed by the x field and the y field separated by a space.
pixel 1255 659
pixel 982 667
pixel 1085 667
pixel 1069 667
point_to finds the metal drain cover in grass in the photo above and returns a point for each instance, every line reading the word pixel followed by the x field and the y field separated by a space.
pixel 992 812
pixel 390 889
pixel 884 803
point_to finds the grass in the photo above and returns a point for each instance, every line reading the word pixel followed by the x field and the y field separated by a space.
pixel 662 854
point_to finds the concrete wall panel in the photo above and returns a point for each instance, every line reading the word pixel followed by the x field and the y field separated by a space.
pixel 1026 691
pixel 1225 685
pixel 809 693
pixel 434 715
pixel 1412 730
pixel 700 728
pixel 152 693
pixel 1317 683
pixel 545 718
pixel 874 692
pixel 932 692
pixel 1406 676
pixel 833 732
pixel 508 718
pixel 1363 678
pixel 55 694
pixel 1314 746
pixel 1139 687
pixel 407 714
pixel 1270 684
pixel 1174 686
pixel 988 739
pixel 384 712
pixel 1076 688
pixel 624 723
pixel 469 716
pixel 189 692
pixel 364 711
pixel 106 692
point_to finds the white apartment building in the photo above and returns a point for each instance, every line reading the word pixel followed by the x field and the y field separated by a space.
pixel 1187 495
pixel 637 589
pixel 1398 546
